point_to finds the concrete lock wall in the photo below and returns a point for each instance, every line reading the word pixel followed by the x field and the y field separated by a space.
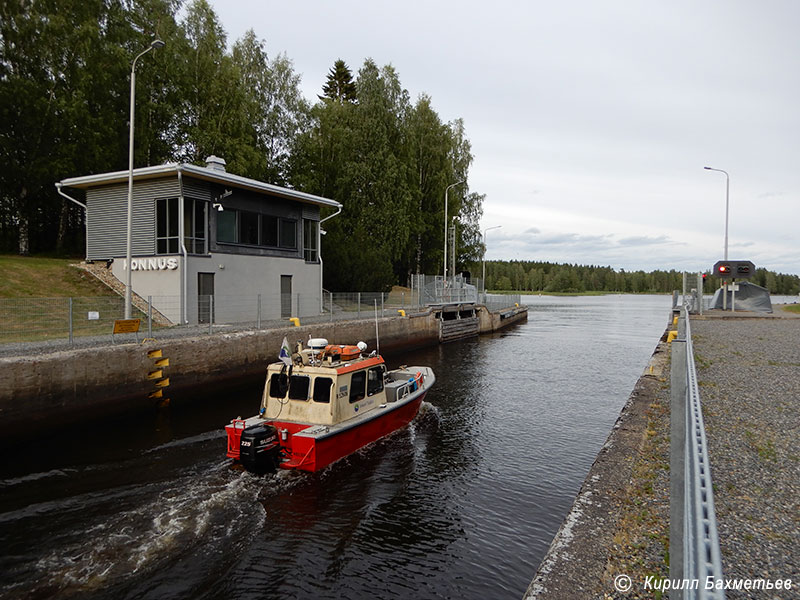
pixel 68 387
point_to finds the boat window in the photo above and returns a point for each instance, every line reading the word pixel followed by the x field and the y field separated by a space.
pixel 357 384
pixel 322 389
pixel 298 387
pixel 278 385
pixel 375 380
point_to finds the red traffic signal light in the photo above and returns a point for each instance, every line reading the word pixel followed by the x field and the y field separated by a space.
pixel 724 269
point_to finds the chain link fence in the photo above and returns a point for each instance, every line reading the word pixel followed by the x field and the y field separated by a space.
pixel 24 320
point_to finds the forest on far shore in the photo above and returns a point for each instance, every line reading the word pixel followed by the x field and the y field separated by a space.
pixel 533 276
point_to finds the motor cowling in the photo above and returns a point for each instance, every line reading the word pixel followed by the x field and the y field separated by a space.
pixel 259 447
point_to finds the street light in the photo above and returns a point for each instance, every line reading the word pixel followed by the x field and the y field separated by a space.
pixel 447 189
pixel 153 45
pixel 727 190
pixel 484 254
pixel 725 251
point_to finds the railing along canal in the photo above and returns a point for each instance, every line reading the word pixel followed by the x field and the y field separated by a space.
pixel 695 560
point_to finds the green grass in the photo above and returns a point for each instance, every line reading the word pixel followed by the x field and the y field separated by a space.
pixel 34 300
pixel 38 277
pixel 795 308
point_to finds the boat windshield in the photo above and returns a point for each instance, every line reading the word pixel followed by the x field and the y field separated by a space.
pixel 298 386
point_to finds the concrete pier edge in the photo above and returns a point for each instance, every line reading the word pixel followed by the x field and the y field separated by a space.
pixel 45 391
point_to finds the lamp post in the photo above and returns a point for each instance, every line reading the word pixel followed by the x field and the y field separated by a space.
pixel 447 189
pixel 484 255
pixel 727 198
pixel 725 251
pixel 153 45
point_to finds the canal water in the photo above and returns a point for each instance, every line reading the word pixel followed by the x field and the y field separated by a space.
pixel 462 504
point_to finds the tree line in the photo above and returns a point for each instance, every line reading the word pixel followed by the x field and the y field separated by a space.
pixel 533 276
pixel 64 110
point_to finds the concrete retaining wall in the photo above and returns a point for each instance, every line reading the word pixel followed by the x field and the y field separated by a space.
pixel 67 387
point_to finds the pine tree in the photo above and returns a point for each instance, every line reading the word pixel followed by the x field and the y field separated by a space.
pixel 339 85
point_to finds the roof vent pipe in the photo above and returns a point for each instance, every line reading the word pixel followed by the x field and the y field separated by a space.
pixel 215 163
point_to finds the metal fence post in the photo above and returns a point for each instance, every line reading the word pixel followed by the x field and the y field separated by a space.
pixel 258 313
pixel 69 307
pixel 210 312
pixel 331 297
pixel 358 305
pixel 383 313
pixel 149 316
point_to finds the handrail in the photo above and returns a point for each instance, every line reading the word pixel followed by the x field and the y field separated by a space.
pixel 694 540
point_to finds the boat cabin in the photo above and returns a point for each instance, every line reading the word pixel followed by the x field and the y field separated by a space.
pixel 326 387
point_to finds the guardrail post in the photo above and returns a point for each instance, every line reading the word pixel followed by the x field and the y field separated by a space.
pixel 677 459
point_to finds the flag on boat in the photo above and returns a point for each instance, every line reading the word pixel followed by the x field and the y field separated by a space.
pixel 285 354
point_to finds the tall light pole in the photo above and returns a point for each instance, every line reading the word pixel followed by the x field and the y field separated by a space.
pixel 727 203
pixel 153 45
pixel 447 189
pixel 725 251
pixel 484 254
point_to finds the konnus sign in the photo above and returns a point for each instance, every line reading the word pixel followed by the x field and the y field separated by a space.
pixel 151 264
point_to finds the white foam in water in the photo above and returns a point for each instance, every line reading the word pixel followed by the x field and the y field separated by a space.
pixel 192 509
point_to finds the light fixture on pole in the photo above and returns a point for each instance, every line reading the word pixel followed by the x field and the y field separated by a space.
pixel 725 251
pixel 153 45
pixel 727 203
pixel 484 254
pixel 447 189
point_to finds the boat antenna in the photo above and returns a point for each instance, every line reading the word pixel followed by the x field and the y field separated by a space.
pixel 377 337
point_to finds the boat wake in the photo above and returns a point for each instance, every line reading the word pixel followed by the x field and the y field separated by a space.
pixel 136 530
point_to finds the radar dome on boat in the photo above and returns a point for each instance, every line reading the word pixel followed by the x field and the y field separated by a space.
pixel 361 346
pixel 317 343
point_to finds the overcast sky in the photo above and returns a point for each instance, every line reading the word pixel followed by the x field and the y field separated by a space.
pixel 590 122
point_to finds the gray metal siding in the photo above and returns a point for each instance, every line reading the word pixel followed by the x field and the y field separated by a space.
pixel 107 216
pixel 199 190
pixel 311 212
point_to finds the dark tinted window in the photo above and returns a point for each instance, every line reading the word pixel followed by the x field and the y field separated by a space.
pixel 298 387
pixel 374 380
pixel 248 228
pixel 269 230
pixel 322 389
pixel 357 384
pixel 278 384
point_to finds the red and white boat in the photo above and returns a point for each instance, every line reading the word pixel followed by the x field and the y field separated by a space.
pixel 323 403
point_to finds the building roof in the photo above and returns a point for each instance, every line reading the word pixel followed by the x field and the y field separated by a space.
pixel 212 175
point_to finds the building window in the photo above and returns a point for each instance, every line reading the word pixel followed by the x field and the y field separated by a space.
pixel 248 228
pixel 195 225
pixel 167 226
pixel 288 233
pixel 226 226
pixel 269 231
pixel 254 229
pixel 310 229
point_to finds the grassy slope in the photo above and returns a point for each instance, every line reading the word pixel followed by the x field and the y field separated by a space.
pixel 35 277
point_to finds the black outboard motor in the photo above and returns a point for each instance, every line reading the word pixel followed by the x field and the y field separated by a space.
pixel 259 448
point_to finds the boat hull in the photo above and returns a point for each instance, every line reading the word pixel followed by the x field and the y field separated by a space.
pixel 309 452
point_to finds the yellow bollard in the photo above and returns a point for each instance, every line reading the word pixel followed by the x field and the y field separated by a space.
pixel 296 321
pixel 675 321
pixel 402 312
pixel 672 335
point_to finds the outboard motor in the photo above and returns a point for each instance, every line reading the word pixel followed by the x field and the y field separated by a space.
pixel 259 447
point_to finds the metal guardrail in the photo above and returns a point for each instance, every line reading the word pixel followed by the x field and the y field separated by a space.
pixel 695 559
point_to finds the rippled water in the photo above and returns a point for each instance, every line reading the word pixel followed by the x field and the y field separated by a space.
pixel 462 504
